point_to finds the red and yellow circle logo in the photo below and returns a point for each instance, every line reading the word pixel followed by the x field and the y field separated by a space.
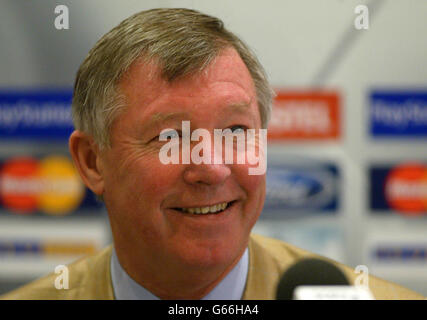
pixel 51 185
pixel 406 189
pixel 20 185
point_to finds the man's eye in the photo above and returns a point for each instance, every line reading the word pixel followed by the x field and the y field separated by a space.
pixel 168 135
pixel 238 129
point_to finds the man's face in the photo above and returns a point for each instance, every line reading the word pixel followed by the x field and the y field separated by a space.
pixel 145 198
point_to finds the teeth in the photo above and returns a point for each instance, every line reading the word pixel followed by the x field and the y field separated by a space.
pixel 206 210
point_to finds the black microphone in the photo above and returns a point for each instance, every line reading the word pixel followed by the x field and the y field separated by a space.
pixel 309 272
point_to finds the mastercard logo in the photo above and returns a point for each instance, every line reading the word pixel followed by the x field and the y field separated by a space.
pixel 406 189
pixel 51 185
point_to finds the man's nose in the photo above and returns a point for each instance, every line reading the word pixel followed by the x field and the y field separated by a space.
pixel 210 173
pixel 206 174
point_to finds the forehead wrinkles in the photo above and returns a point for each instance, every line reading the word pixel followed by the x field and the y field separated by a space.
pixel 148 73
pixel 143 82
pixel 226 67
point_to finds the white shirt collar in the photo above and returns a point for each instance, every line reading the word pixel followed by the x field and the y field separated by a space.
pixel 230 288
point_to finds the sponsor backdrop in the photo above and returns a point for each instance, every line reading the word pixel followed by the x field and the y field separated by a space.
pixel 309 115
pixel 347 154
pixel 48 185
pixel 399 113
pixel 48 217
pixel 35 114
pixel 401 188
pixel 301 189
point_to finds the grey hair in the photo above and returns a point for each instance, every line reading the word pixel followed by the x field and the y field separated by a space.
pixel 181 41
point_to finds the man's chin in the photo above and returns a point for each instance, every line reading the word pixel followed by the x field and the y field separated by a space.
pixel 219 256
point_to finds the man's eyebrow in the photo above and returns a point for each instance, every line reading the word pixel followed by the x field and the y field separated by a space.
pixel 158 118
pixel 240 107
pixel 162 117
pixel 155 121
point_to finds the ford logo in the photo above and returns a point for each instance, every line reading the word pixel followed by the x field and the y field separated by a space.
pixel 311 188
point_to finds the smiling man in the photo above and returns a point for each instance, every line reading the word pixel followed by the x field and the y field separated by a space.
pixel 180 230
pixel 158 212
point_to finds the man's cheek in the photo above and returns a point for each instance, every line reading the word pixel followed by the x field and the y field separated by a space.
pixel 257 189
pixel 249 180
pixel 157 179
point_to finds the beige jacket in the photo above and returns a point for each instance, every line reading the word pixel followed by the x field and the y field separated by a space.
pixel 90 278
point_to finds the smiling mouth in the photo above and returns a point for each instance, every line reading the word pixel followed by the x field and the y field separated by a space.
pixel 215 209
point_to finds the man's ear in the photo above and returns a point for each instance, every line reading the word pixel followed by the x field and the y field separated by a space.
pixel 86 156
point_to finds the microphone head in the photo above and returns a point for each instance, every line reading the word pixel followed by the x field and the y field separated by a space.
pixel 309 272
